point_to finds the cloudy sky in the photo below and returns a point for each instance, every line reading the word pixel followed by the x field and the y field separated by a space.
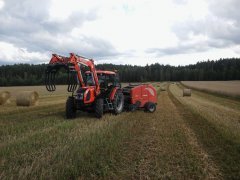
pixel 175 32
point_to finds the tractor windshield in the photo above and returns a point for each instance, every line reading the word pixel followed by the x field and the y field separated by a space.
pixel 104 80
pixel 89 79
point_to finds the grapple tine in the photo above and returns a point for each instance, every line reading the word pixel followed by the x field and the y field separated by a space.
pixel 51 73
pixel 50 79
pixel 53 81
pixel 72 81
pixel 47 79
pixel 69 83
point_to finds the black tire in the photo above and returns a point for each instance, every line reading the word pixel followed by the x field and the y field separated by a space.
pixel 150 107
pixel 98 108
pixel 71 111
pixel 118 103
pixel 131 107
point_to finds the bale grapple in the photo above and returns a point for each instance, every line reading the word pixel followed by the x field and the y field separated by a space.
pixel 59 62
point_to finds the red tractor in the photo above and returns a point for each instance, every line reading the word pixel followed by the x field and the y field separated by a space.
pixel 98 91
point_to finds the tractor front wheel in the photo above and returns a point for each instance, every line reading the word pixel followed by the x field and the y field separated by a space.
pixel 118 103
pixel 70 108
pixel 98 108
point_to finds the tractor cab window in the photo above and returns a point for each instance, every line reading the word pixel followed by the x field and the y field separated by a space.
pixel 102 80
pixel 117 80
pixel 89 79
pixel 107 80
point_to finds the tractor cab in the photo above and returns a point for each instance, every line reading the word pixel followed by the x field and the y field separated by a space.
pixel 106 79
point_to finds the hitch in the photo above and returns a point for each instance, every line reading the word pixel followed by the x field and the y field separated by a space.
pixel 51 73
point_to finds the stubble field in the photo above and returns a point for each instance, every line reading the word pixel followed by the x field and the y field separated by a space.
pixel 227 88
pixel 195 137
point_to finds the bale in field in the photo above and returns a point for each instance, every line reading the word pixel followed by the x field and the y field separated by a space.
pixel 163 88
pixel 186 92
pixel 27 98
pixel 4 97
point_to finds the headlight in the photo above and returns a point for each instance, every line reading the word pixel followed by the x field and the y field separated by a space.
pixel 88 96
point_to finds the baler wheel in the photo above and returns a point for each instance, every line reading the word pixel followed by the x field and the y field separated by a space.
pixel 150 107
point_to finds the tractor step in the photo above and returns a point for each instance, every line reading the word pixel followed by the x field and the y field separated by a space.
pixel 108 104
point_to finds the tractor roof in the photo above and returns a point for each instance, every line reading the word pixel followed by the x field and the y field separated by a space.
pixel 103 72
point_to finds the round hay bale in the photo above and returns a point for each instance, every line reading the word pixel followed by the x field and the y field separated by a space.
pixel 187 92
pixel 4 97
pixel 27 98
pixel 163 88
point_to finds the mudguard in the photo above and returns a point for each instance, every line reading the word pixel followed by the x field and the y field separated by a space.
pixel 113 92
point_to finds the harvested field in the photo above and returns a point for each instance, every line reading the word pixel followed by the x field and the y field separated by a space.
pixel 223 116
pixel 60 90
pixel 228 88
pixel 217 125
pixel 39 143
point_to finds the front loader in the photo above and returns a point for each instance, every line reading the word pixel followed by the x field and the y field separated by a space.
pixel 92 90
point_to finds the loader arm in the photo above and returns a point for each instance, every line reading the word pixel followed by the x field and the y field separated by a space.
pixel 73 66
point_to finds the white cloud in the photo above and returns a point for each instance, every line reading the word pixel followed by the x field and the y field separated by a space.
pixel 1 4
pixel 11 54
pixel 121 31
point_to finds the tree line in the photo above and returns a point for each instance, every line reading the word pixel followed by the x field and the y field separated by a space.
pixel 222 69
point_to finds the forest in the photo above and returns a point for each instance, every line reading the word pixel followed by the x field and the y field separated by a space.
pixel 220 70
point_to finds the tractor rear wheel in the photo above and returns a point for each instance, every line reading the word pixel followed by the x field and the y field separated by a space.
pixel 118 103
pixel 70 108
pixel 150 107
pixel 98 108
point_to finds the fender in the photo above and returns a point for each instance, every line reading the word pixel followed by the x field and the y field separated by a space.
pixel 113 93
pixel 89 95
